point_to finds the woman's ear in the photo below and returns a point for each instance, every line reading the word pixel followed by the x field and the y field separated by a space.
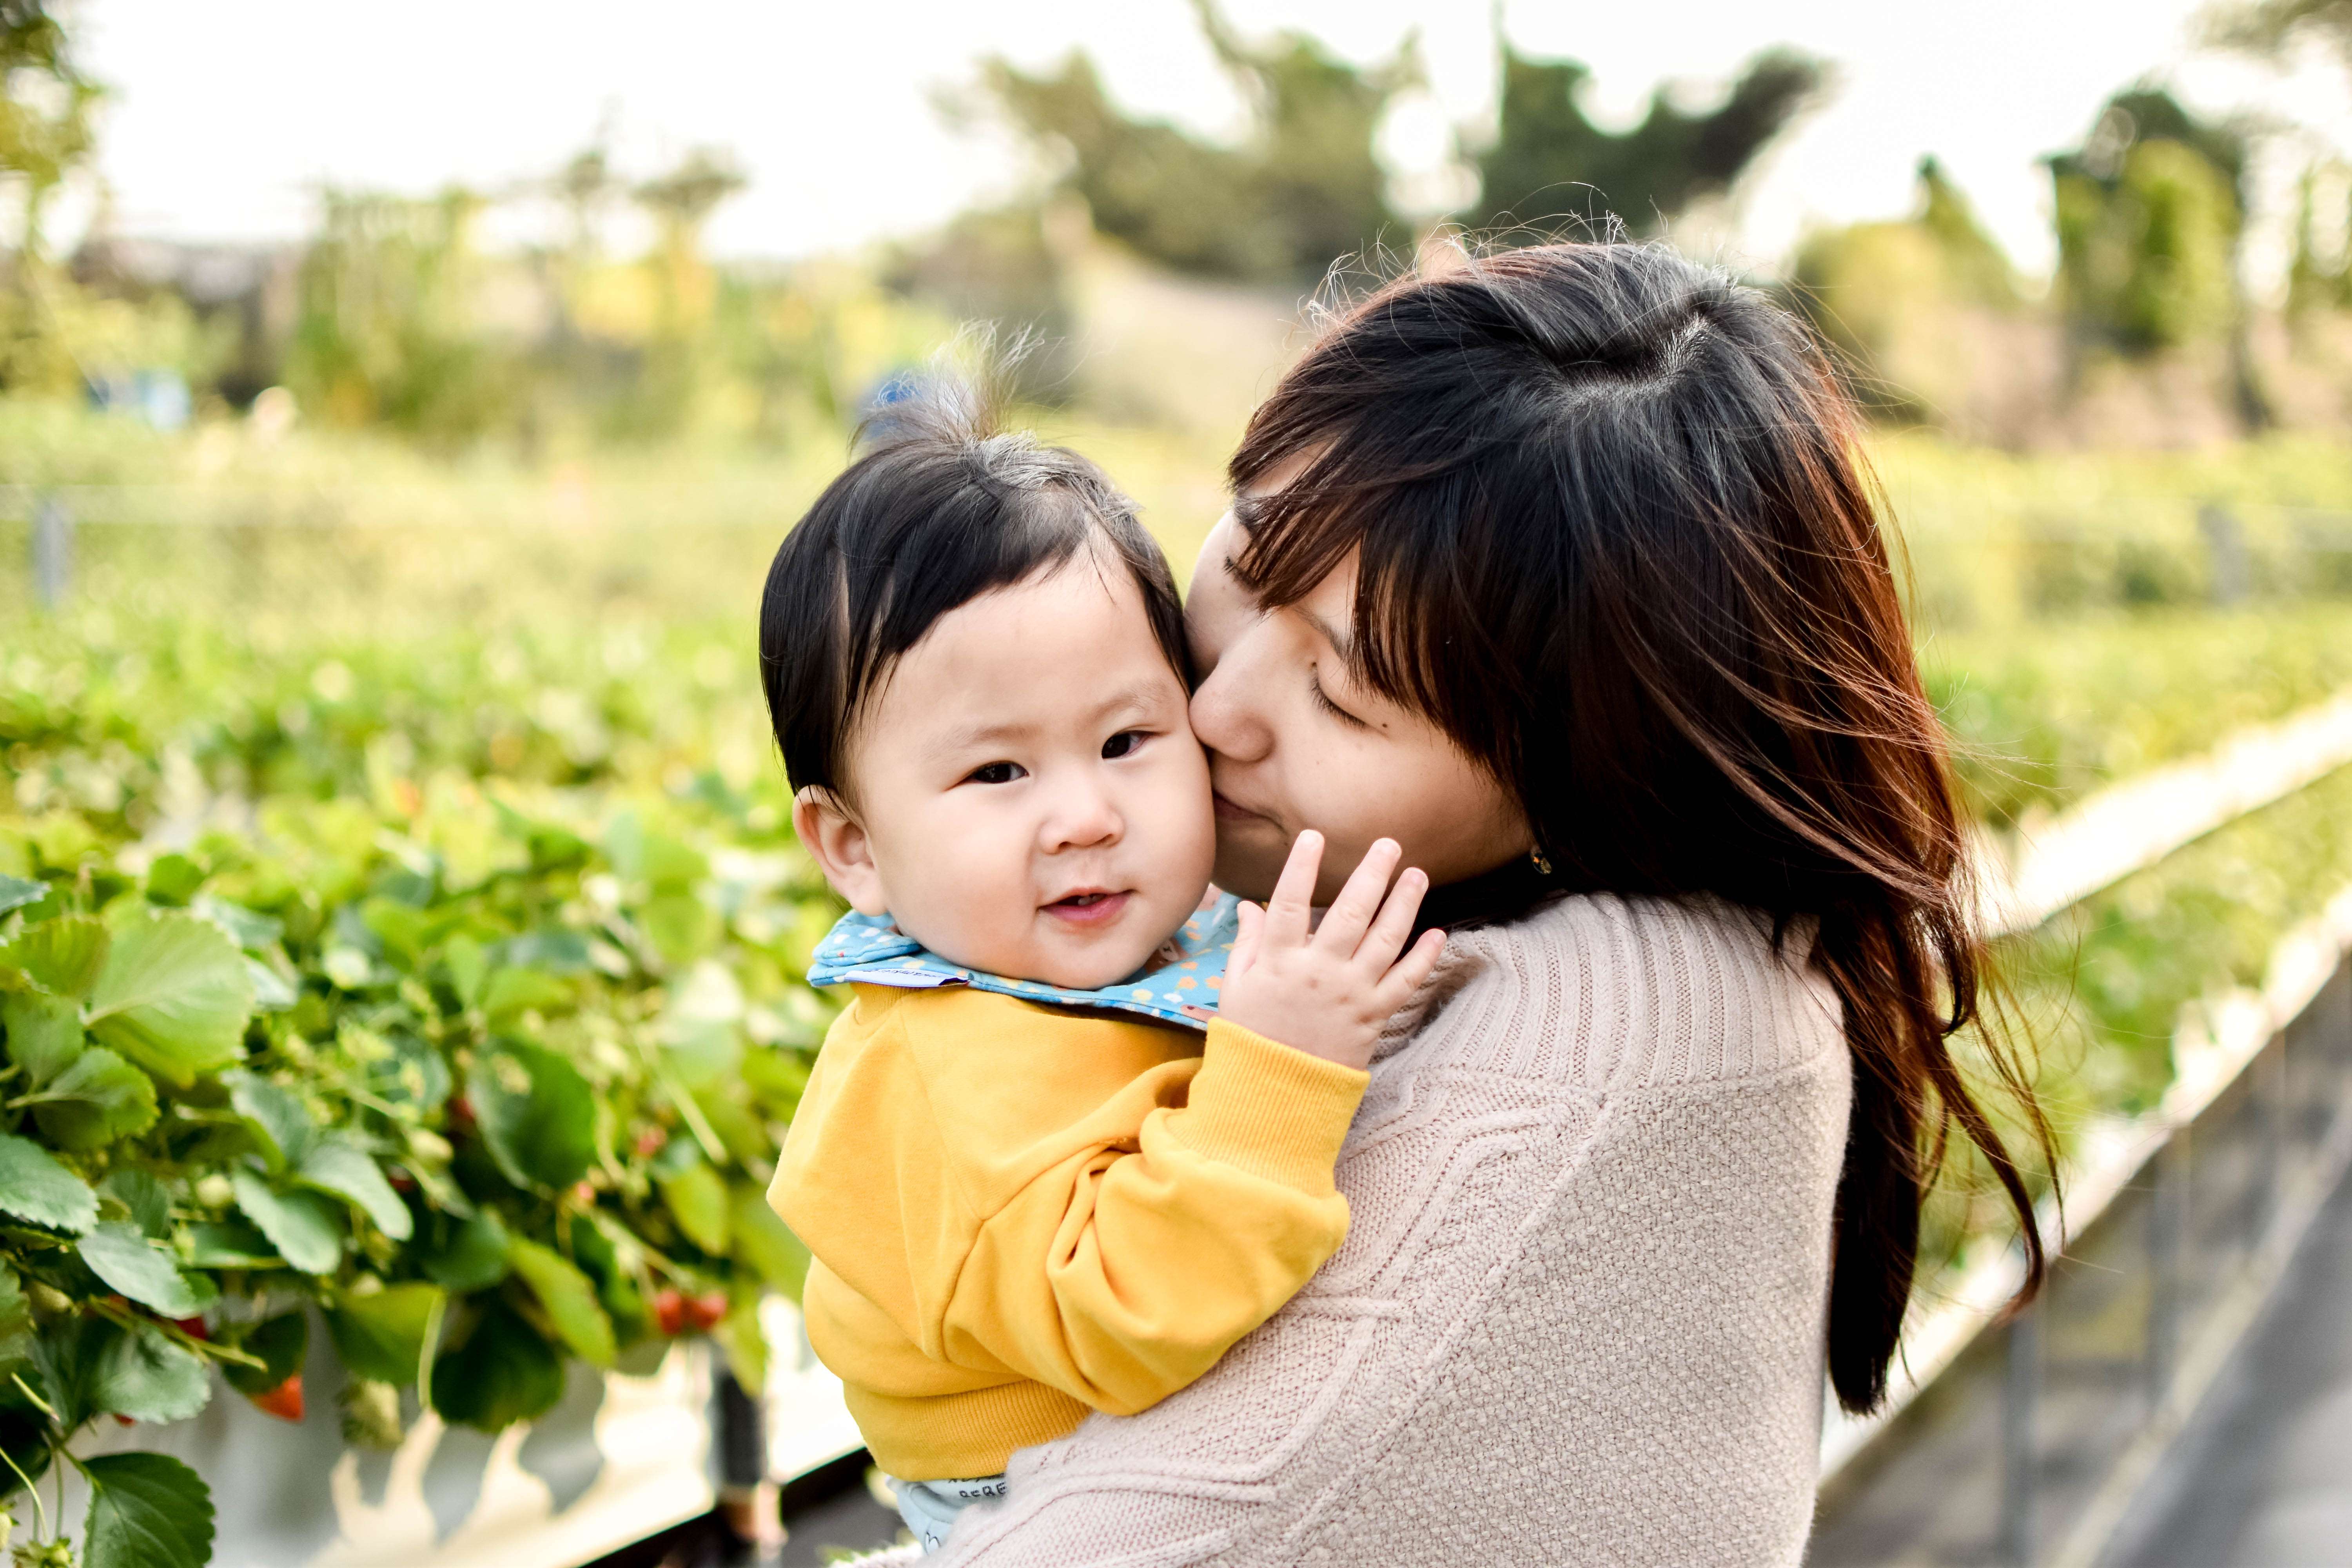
pixel 844 853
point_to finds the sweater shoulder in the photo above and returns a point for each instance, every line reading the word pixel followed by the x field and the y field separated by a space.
pixel 1609 992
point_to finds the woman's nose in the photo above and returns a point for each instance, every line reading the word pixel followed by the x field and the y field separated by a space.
pixel 1224 719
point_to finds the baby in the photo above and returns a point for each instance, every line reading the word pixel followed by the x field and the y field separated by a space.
pixel 1034 1184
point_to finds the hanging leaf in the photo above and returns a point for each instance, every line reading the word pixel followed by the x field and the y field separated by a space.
pixel 538 1115
pixel 138 1189
pixel 504 1373
pixel 475 1258
pixel 381 1335
pixel 252 931
pixel 767 1244
pixel 44 1033
pixel 63 956
pixel 230 1244
pixel 146 1510
pixel 37 1189
pixel 281 1342
pixel 16 1315
pixel 272 992
pixel 346 1171
pixel 281 1123
pixel 173 996
pixel 744 1342
pixel 145 1376
pixel 697 1198
pixel 15 893
pixel 122 1255
pixel 305 1230
pixel 514 992
pixel 568 1299
pixel 98 1098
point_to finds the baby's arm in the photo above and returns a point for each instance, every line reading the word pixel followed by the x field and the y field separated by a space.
pixel 1160 1254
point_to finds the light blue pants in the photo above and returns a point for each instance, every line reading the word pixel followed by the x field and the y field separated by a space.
pixel 929 1507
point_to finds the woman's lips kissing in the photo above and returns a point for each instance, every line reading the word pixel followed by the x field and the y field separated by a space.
pixel 1088 907
pixel 1227 811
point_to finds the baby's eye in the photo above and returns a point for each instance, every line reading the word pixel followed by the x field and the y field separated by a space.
pixel 1122 744
pixel 996 774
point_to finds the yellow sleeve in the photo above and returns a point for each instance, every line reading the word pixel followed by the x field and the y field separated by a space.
pixel 1121 1273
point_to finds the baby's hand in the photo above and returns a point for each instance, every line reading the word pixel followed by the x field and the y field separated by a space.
pixel 1326 992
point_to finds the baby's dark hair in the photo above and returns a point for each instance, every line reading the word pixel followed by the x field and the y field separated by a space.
pixel 940 508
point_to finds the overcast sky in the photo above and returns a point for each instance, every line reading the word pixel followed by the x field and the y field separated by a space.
pixel 226 115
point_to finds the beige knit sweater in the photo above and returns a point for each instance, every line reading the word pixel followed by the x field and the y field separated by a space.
pixel 1579 1315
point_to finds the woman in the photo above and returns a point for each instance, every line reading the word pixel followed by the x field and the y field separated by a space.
pixel 1562 569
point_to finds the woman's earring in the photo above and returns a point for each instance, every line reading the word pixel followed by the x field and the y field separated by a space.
pixel 1542 864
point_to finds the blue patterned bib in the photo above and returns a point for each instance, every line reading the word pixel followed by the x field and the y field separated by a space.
pixel 1179 986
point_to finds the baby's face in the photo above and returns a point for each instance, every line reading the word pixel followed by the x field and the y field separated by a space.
pixel 1030 797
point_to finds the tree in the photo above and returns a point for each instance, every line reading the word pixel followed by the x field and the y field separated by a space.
pixel 2150 210
pixel 1303 188
pixel 1548 161
pixel 45 108
pixel 2270 27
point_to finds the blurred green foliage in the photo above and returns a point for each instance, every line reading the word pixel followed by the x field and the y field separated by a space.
pixel 2149 213
pixel 1302 190
pixel 1549 162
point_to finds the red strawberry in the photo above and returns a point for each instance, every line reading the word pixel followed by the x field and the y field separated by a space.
pixel 708 1308
pixel 670 1312
pixel 285 1401
pixel 192 1327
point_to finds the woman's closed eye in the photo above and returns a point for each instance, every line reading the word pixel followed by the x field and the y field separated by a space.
pixel 996 774
pixel 1323 701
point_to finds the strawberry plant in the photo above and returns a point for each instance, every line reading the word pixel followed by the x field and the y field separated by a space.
pixel 478 1088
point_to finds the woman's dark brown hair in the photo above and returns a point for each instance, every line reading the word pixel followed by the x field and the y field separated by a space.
pixel 1618 539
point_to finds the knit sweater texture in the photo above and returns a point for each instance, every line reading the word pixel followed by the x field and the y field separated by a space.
pixel 1579 1315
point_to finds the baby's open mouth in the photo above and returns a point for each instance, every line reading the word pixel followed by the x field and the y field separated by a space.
pixel 1095 906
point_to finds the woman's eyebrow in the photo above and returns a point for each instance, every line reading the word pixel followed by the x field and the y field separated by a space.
pixel 1342 640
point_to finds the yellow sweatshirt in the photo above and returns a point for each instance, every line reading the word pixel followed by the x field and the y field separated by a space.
pixel 1021 1213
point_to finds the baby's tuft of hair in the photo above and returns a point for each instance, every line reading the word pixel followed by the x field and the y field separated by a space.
pixel 941 507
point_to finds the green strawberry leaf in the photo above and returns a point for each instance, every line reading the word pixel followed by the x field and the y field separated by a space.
pixel 503 1373
pixel 145 1376
pixel 281 1123
pixel 474 1259
pixel 37 1189
pixel 346 1171
pixel 569 1299
pixel 122 1255
pixel 146 1510
pixel 140 1192
pixel 281 1341
pixel 16 1315
pixel 174 997
pixel 230 1244
pixel 305 1230
pixel 767 1244
pixel 62 957
pixel 15 892
pixel 98 1098
pixel 381 1336
pixel 44 1033
pixel 696 1199
pixel 538 1115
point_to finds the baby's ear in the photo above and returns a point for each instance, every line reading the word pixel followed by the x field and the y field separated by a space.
pixel 831 833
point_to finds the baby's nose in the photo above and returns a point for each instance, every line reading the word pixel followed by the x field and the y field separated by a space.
pixel 1083 817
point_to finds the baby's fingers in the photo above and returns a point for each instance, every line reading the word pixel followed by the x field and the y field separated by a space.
pixel 1404 977
pixel 1288 911
pixel 1251 920
pixel 1393 929
pixel 1345 922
